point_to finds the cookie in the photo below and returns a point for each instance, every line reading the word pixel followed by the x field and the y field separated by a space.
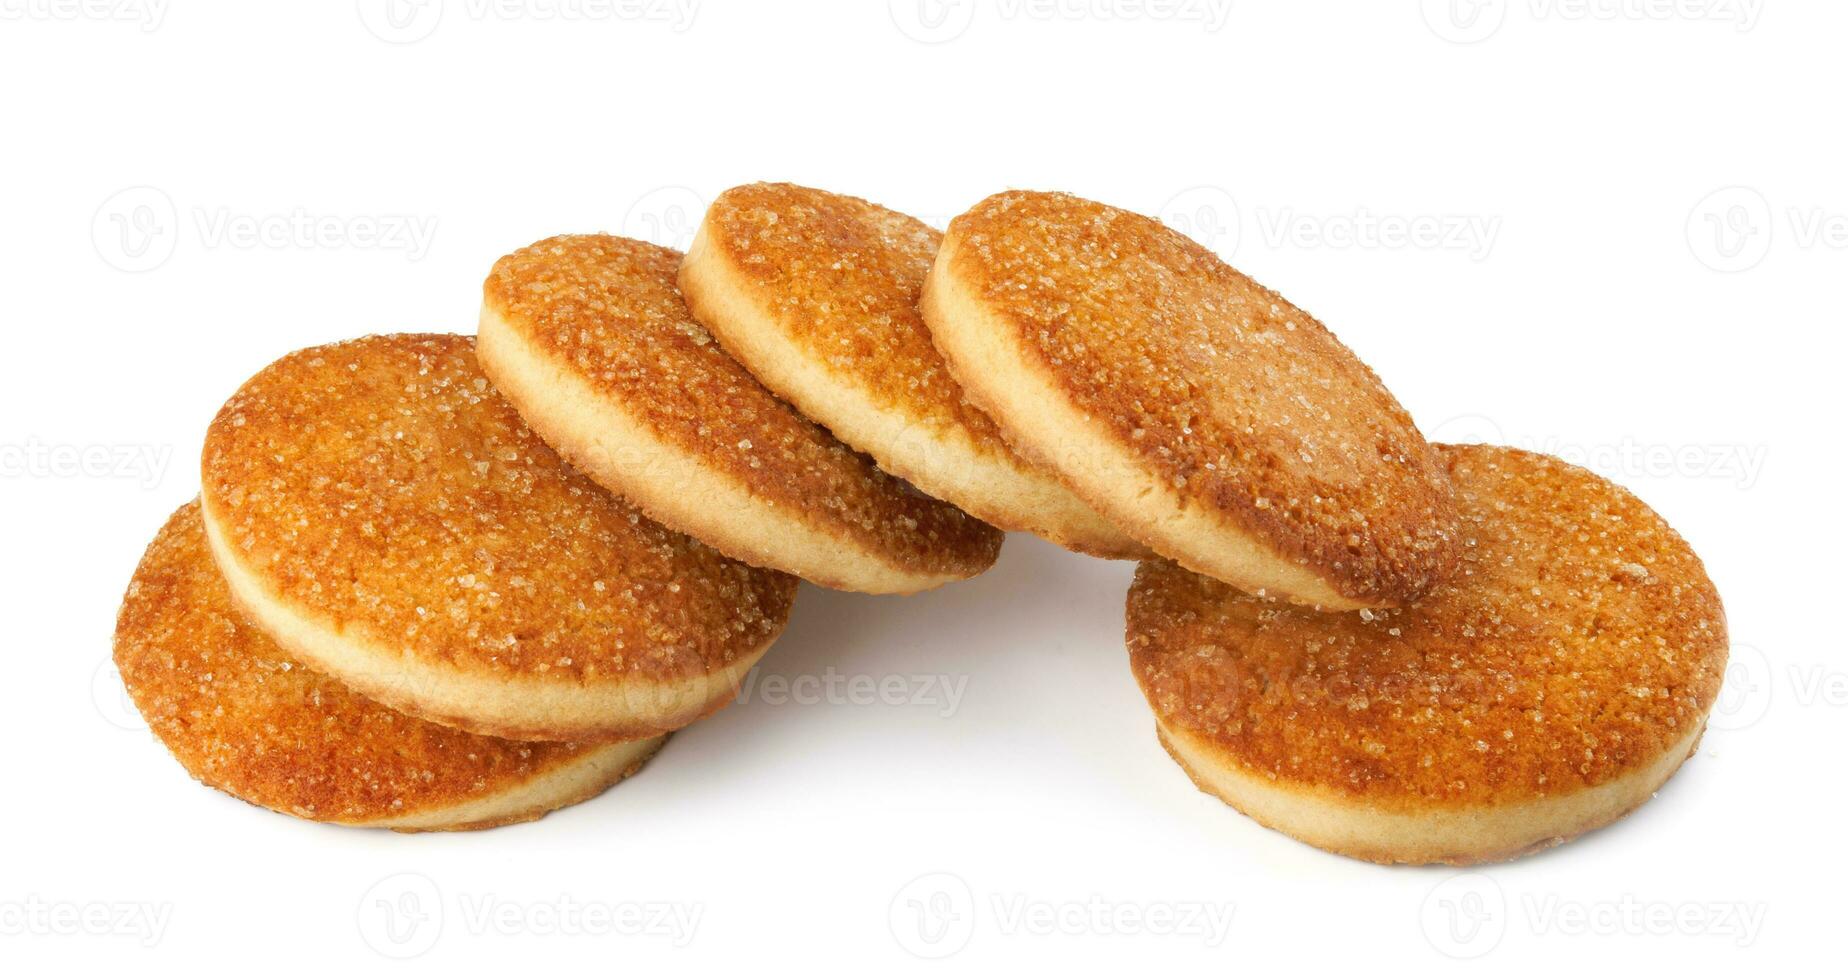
pixel 243 716
pixel 588 336
pixel 388 519
pixel 816 294
pixel 1551 687
pixel 1195 409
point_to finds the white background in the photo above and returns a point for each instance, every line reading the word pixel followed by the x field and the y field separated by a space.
pixel 1614 232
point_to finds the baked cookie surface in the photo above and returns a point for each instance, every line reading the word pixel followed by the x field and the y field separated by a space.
pixel 816 294
pixel 1553 685
pixel 589 337
pixel 387 517
pixel 243 716
pixel 1197 410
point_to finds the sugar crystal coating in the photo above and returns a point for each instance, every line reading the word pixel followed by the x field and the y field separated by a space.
pixel 241 715
pixel 843 276
pixel 383 484
pixel 1249 408
pixel 609 307
pixel 1579 639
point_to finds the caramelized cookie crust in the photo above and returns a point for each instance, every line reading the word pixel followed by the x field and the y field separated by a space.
pixel 1246 407
pixel 608 309
pixel 841 277
pixel 817 295
pixel 383 486
pixel 1580 640
pixel 242 716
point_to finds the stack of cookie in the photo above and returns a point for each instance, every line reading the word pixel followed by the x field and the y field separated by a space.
pixel 1388 649
pixel 394 606
pixel 436 583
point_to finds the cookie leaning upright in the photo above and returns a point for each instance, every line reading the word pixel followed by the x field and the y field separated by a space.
pixel 242 716
pixel 1550 687
pixel 816 293
pixel 1196 409
pixel 381 512
pixel 588 336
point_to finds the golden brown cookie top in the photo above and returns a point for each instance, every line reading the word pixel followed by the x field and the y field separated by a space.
pixel 1579 640
pixel 1247 406
pixel 841 277
pixel 610 309
pixel 240 715
pixel 384 486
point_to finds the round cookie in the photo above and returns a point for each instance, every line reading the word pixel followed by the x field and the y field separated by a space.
pixel 389 520
pixel 1550 688
pixel 816 294
pixel 1195 409
pixel 242 716
pixel 588 336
